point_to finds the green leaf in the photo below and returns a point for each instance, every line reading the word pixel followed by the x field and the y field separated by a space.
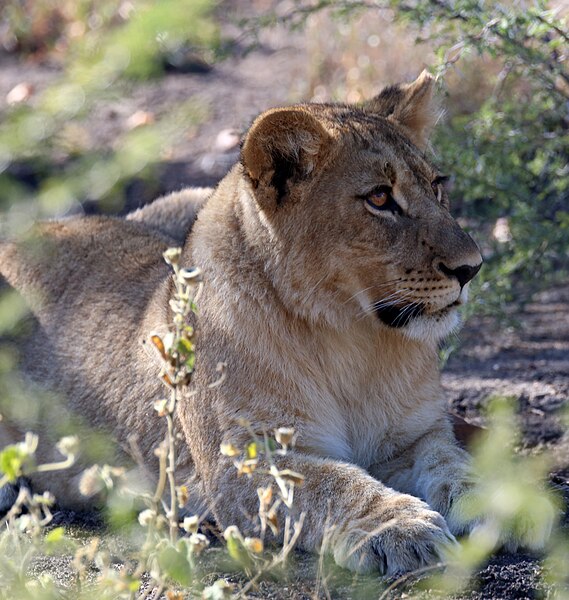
pixel 185 346
pixel 236 549
pixel 12 461
pixel 12 310
pixel 174 563
pixel 55 535
pixel 190 362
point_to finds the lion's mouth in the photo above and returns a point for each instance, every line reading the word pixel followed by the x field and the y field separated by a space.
pixel 399 316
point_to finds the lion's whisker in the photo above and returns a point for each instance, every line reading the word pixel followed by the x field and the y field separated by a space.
pixel 374 287
pixel 405 313
pixel 392 300
pixel 358 293
pixel 313 289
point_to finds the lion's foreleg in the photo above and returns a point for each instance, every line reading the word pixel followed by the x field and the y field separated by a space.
pixel 365 525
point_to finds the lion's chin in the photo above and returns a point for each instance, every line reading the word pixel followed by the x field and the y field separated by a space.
pixel 433 328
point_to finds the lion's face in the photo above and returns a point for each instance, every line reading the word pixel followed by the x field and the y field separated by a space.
pixel 358 220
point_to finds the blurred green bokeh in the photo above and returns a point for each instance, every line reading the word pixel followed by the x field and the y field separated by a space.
pixel 105 47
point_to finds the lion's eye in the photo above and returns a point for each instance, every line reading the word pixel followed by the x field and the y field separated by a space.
pixel 381 200
pixel 378 200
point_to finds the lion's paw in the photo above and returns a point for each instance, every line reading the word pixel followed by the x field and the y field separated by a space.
pixel 397 540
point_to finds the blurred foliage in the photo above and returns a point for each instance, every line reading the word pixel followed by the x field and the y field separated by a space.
pixel 510 503
pixel 150 31
pixel 510 158
pixel 48 165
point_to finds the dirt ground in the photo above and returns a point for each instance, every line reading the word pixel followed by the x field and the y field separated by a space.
pixel 530 362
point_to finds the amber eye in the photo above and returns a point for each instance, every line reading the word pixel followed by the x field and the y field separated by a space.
pixel 379 199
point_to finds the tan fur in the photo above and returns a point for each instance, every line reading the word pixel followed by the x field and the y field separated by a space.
pixel 294 268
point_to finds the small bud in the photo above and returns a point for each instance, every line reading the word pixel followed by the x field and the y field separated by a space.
pixel 220 590
pixel 24 522
pixel 176 307
pixel 265 496
pixel 232 532
pixel 501 232
pixel 91 482
pixel 161 407
pixel 198 542
pixel 139 119
pixel 30 443
pixel 246 467
pixel 251 450
pixel 20 93
pixel 236 547
pixel 172 256
pixel 182 492
pixel 109 474
pixel 159 345
pixel 146 517
pixel 68 445
pixel 254 545
pixel 190 524
pixel 291 477
pixel 161 451
pixel 273 521
pixel 284 435
pixel 190 276
pixel 228 449
pixel 166 379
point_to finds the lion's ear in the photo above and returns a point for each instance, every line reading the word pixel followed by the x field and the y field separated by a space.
pixel 411 105
pixel 283 147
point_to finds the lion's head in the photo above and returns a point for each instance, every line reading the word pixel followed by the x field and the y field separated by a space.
pixel 354 215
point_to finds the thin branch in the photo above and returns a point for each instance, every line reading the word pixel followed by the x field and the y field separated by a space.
pixel 404 578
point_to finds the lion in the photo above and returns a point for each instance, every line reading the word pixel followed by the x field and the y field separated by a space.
pixel 332 269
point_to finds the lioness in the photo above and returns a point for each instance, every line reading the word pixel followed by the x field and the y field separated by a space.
pixel 332 268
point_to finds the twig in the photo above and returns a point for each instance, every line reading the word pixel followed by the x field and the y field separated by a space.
pixel 404 578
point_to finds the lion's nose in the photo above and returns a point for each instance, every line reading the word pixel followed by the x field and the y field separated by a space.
pixel 463 273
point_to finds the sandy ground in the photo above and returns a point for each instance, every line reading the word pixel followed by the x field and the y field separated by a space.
pixel 530 362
